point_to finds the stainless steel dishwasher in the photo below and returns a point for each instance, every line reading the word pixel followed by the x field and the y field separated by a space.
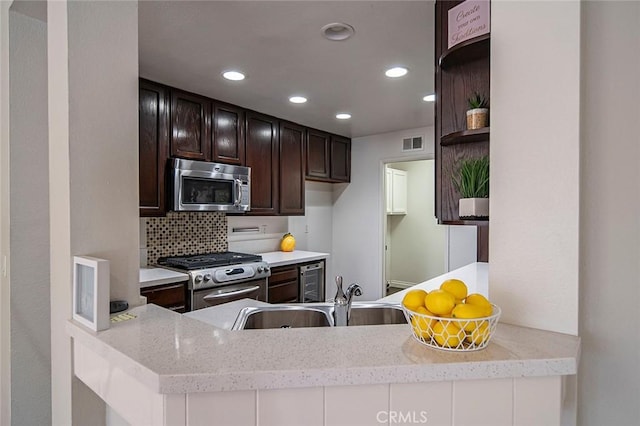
pixel 312 282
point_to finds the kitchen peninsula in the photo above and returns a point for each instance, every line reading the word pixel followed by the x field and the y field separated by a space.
pixel 165 368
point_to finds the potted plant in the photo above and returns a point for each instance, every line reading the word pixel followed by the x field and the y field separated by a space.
pixel 478 112
pixel 472 182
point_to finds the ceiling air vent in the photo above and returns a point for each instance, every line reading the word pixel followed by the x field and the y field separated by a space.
pixel 412 144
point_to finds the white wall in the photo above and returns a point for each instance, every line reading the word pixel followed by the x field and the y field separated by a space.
pixel 93 133
pixel 357 212
pixel 313 230
pixel 609 374
pixel 535 94
pixel 29 192
pixel 463 246
pixel 417 242
pixel 5 272
pixel 266 239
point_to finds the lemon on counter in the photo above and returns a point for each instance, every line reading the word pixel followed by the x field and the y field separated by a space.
pixel 479 335
pixel 422 326
pixel 468 311
pixel 288 242
pixel 414 299
pixel 440 302
pixel 447 335
pixel 481 301
pixel 456 287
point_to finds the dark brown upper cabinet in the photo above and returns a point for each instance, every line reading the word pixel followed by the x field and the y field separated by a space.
pixel 292 159
pixel 328 157
pixel 261 154
pixel 228 134
pixel 190 126
pixel 153 114
pixel 178 124
pixel 340 159
pixel 318 156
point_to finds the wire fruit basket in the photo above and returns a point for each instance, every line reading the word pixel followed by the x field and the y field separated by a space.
pixel 453 334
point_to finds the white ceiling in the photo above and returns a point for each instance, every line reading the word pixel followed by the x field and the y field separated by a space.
pixel 279 46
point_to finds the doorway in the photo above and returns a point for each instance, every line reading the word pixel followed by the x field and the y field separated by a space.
pixel 415 245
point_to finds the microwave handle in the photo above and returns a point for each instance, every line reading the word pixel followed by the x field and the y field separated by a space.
pixel 238 192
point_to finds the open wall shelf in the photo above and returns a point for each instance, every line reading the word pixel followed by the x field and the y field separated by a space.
pixel 465 136
pixel 460 71
pixel 467 51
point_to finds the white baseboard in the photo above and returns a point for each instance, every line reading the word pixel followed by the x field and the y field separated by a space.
pixel 400 284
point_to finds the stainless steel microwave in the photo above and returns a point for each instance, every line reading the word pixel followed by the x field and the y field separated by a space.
pixel 205 186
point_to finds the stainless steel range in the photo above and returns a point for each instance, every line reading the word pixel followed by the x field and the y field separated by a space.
pixel 218 278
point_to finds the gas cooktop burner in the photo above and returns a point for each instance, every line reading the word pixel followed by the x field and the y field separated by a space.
pixel 200 261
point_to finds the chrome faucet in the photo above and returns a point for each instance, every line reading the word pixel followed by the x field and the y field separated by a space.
pixel 342 302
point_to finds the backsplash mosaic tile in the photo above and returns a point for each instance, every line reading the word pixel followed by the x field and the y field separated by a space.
pixel 184 233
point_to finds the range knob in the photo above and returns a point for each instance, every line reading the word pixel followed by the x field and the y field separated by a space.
pixel 207 277
pixel 197 279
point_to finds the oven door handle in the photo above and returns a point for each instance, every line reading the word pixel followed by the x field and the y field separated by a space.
pixel 221 294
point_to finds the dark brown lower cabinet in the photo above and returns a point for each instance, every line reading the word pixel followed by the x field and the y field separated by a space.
pixel 171 296
pixel 283 284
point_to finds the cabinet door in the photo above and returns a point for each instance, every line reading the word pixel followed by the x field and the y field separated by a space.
pixel 228 134
pixel 153 145
pixel 190 126
pixel 399 191
pixel 283 284
pixel 318 157
pixel 261 153
pixel 170 296
pixel 340 159
pixel 292 158
pixel 388 190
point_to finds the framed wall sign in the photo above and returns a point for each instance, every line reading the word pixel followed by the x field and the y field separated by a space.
pixel 467 20
pixel 91 292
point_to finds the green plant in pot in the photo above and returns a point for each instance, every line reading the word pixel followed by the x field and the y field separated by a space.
pixel 471 180
pixel 477 115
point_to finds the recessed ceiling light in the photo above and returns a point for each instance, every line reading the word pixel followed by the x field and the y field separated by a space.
pixel 233 75
pixel 343 116
pixel 396 72
pixel 429 98
pixel 297 99
pixel 338 31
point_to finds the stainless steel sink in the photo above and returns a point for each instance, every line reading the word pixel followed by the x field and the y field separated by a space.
pixel 285 316
pixel 376 315
pixel 316 315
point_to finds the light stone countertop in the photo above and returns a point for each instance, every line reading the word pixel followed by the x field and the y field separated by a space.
pixel 475 276
pixel 281 258
pixel 150 277
pixel 171 353
pixel 224 316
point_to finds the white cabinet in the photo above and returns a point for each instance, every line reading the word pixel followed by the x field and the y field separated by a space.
pixel 396 191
